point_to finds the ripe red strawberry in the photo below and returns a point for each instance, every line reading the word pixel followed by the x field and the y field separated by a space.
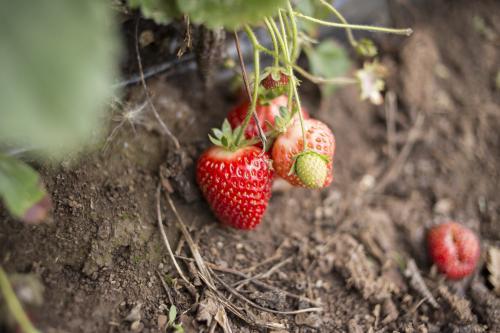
pixel 236 184
pixel 454 249
pixel 296 166
pixel 266 113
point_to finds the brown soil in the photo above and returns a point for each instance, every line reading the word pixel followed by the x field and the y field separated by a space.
pixel 346 246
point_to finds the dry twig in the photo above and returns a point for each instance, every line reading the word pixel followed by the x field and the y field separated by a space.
pixel 264 275
pixel 390 114
pixel 257 282
pixel 164 236
pixel 417 282
pixel 272 258
pixel 396 167
pixel 257 306
pixel 146 91
pixel 167 290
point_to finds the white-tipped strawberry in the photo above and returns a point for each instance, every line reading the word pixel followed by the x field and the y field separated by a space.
pixel 288 150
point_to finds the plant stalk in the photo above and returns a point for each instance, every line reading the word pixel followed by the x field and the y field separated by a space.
pixel 14 305
pixel 406 32
pixel 256 63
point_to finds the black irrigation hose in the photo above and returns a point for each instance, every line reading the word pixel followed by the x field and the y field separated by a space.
pixel 155 70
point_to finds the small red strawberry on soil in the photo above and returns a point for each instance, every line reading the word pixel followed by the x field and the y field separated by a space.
pixel 312 168
pixel 236 184
pixel 454 249
pixel 266 113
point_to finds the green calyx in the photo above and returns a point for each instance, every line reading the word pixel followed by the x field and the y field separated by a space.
pixel 311 168
pixel 226 137
pixel 282 120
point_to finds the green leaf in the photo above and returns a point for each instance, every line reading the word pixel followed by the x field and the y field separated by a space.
pixel 217 132
pixel 229 14
pixel 57 65
pixel 20 186
pixel 224 142
pixel 312 8
pixel 226 128
pixel 161 11
pixel 214 140
pixel 178 328
pixel 172 314
pixel 328 60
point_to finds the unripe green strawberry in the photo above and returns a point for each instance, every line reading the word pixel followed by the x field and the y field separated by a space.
pixel 312 169
pixel 288 149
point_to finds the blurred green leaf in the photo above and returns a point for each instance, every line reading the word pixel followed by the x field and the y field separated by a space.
pixel 57 64
pixel 229 14
pixel 312 8
pixel 328 60
pixel 20 186
pixel 161 11
pixel 172 314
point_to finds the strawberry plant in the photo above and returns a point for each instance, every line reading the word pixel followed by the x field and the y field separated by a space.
pixel 234 175
pixel 52 92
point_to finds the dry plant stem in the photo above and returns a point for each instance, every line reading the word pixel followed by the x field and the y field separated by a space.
pixel 390 114
pixel 165 287
pixel 240 296
pixel 406 32
pixel 263 275
pixel 200 263
pixel 146 91
pixel 164 236
pixel 257 282
pixel 260 131
pixel 206 275
pixel 350 36
pixel 400 160
pixel 14 305
pixel 417 282
pixel 277 254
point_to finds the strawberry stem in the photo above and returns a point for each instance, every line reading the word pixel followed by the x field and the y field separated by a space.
pixel 339 80
pixel 276 53
pixel 348 30
pixel 256 63
pixel 293 81
pixel 406 32
pixel 295 41
pixel 260 131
